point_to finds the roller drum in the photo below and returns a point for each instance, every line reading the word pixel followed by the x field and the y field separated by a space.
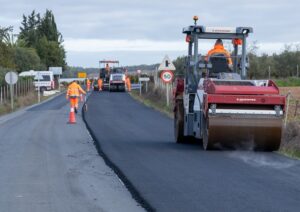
pixel 252 132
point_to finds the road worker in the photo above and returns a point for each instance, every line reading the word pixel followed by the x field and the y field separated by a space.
pixel 73 93
pixel 107 68
pixel 219 49
pixel 88 85
pixel 128 83
pixel 100 84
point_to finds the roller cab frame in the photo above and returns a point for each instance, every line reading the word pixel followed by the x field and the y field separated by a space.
pixel 106 68
pixel 217 104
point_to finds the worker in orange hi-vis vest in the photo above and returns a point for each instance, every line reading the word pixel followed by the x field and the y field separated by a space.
pixel 100 84
pixel 219 49
pixel 128 83
pixel 88 85
pixel 73 93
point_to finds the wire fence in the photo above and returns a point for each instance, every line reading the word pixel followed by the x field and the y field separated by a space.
pixel 21 88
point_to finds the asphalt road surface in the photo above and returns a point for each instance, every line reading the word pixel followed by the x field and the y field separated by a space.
pixel 47 165
pixel 182 177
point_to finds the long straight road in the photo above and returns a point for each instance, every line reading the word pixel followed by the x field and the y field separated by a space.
pixel 47 165
pixel 176 177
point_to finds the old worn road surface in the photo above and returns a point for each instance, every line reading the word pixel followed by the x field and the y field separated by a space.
pixel 174 177
pixel 47 165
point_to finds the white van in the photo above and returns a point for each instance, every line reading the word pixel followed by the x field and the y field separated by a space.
pixel 44 80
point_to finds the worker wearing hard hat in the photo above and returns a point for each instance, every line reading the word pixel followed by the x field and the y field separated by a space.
pixel 73 93
pixel 219 49
pixel 88 85
pixel 100 84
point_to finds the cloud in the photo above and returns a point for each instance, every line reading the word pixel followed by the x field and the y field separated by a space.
pixel 113 45
pixel 95 25
pixel 99 45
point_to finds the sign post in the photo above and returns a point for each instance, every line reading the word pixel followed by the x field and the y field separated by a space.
pixel 139 76
pixel 167 75
pixel 144 79
pixel 11 78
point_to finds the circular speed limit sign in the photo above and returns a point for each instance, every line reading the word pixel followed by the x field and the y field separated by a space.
pixel 167 76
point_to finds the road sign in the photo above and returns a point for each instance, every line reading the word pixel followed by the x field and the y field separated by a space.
pixel 11 78
pixel 56 70
pixel 167 76
pixel 144 79
pixel 166 65
pixel 82 75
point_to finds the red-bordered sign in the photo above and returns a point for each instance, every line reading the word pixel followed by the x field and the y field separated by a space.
pixel 167 76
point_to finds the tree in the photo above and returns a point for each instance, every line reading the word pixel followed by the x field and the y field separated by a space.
pixel 51 53
pixel 48 28
pixel 43 35
pixel 6 56
pixel 180 64
pixel 26 59
pixel 5 34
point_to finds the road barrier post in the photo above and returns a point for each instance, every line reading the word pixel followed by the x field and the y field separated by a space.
pixel 1 96
pixel 296 108
pixel 168 96
pixel 287 108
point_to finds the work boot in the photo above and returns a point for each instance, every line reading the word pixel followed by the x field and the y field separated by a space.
pixel 76 110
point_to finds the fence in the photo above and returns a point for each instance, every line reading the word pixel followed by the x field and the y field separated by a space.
pixel 21 88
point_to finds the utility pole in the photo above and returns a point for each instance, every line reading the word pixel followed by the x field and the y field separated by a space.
pixel 297 70
pixel 269 72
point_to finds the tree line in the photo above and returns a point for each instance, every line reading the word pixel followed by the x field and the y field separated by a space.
pixel 38 45
pixel 277 65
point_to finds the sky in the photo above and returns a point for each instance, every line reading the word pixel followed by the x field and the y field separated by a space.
pixel 143 32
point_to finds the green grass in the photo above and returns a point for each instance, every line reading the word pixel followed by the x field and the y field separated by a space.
pixel 159 105
pixel 292 153
pixel 288 82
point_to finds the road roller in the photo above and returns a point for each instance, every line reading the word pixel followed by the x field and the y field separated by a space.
pixel 215 102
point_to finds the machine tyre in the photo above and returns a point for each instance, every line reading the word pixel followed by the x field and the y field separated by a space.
pixel 178 123
pixel 205 140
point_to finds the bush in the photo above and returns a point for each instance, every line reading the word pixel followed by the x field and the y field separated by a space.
pixel 26 59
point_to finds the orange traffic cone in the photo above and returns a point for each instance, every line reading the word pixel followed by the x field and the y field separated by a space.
pixel 72 119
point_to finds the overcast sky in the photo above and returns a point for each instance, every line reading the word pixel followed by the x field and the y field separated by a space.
pixel 142 32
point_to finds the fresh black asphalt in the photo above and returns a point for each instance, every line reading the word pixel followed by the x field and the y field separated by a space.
pixel 138 142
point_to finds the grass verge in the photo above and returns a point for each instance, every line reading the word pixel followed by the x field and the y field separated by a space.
pixel 158 104
pixel 21 102
pixel 288 82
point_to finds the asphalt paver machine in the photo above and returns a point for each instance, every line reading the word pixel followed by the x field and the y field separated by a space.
pixel 107 67
pixel 217 104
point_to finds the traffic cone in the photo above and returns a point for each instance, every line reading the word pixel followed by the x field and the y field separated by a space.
pixel 72 119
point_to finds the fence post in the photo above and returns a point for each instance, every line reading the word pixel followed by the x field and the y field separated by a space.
pixel 296 108
pixel 287 108
pixel 1 97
